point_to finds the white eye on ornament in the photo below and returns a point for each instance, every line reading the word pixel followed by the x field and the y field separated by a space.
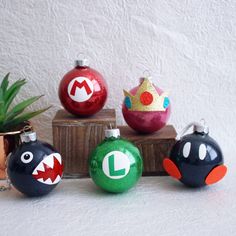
pixel 27 157
pixel 186 149
pixel 202 151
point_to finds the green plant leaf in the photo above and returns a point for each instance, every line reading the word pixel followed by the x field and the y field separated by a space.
pixel 11 93
pixel 8 125
pixel 2 113
pixel 19 108
pixel 1 94
pixel 9 120
pixel 5 82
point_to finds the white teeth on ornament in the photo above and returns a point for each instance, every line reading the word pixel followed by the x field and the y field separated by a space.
pixel 41 180
pixel 49 161
pixel 48 181
pixel 40 167
pixel 58 178
pixel 58 156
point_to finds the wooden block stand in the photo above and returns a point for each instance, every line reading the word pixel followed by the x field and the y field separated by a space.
pixel 76 137
pixel 154 147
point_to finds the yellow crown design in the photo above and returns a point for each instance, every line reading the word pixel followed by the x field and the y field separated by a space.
pixel 146 98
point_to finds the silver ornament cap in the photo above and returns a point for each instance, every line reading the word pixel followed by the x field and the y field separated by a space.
pixel 82 62
pixel 27 137
pixel 112 133
pixel 201 128
pixel 143 78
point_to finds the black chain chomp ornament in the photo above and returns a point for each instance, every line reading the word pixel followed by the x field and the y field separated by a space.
pixel 196 159
pixel 35 167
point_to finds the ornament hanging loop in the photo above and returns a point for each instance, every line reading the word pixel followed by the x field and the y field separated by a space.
pixel 199 127
pixel 28 134
pixel 146 75
pixel 27 128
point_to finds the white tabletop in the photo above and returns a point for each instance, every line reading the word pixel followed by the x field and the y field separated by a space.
pixel 156 206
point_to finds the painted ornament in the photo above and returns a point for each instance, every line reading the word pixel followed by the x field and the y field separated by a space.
pixel 83 91
pixel 196 159
pixel 35 167
pixel 116 164
pixel 146 108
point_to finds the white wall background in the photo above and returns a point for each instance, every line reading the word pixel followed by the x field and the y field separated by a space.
pixel 189 47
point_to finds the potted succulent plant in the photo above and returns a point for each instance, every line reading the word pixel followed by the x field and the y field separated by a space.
pixel 13 119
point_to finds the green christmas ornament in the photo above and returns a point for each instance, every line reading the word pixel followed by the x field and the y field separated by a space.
pixel 116 164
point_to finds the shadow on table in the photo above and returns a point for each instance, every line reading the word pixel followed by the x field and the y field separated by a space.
pixel 84 187
pixel 170 185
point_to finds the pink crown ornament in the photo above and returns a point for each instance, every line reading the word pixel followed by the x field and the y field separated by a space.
pixel 146 108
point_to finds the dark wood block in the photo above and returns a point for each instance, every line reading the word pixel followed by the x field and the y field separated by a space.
pixel 154 147
pixel 76 137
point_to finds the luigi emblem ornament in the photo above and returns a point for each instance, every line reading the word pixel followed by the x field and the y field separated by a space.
pixel 116 164
pixel 196 159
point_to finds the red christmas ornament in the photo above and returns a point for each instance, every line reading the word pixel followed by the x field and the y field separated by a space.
pixel 146 108
pixel 83 91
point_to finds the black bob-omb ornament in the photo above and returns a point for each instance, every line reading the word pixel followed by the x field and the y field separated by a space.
pixel 196 159
pixel 35 167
